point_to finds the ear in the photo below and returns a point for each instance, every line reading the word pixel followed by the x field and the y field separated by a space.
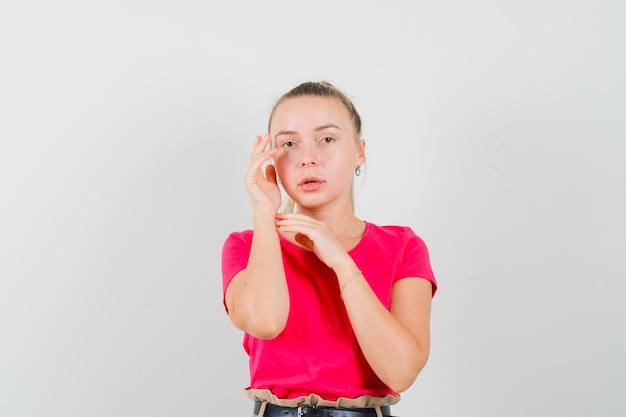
pixel 360 154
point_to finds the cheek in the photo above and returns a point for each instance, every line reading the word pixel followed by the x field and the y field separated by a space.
pixel 341 162
pixel 284 158
pixel 280 162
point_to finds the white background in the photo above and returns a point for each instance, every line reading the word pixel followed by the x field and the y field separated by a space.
pixel 496 129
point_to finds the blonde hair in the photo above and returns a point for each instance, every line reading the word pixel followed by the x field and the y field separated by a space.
pixel 319 89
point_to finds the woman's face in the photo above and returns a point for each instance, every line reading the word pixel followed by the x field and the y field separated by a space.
pixel 317 150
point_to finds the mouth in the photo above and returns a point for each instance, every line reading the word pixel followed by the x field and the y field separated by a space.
pixel 310 180
pixel 310 184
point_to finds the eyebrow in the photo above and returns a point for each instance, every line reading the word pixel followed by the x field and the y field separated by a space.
pixel 317 129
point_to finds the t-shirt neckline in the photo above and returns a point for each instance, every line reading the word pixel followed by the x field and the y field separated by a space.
pixel 366 233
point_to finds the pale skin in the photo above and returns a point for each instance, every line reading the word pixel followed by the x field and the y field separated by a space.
pixel 315 150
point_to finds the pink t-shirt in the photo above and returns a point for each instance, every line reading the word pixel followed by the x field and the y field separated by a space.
pixel 317 352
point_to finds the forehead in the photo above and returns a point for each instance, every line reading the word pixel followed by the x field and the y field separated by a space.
pixel 309 112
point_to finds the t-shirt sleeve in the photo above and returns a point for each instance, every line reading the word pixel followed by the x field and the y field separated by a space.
pixel 235 254
pixel 415 260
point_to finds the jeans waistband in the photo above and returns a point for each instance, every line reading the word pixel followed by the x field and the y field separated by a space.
pixel 272 410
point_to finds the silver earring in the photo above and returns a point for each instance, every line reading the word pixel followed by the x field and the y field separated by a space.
pixel 357 171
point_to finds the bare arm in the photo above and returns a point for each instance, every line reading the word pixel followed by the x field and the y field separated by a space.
pixel 396 343
pixel 257 297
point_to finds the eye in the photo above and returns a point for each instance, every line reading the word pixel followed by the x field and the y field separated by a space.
pixel 288 144
pixel 328 140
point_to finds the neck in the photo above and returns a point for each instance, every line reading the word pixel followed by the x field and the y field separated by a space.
pixel 341 221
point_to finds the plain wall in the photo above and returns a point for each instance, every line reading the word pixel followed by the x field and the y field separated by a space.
pixel 496 130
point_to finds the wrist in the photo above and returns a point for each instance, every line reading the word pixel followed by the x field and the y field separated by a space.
pixel 347 280
pixel 345 268
pixel 263 216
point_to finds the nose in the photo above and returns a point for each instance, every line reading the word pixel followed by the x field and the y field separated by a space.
pixel 308 162
pixel 308 156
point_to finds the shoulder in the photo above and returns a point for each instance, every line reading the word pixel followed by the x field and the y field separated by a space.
pixel 245 235
pixel 393 233
pixel 238 239
pixel 398 242
pixel 407 251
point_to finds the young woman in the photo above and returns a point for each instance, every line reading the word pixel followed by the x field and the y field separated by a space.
pixel 335 310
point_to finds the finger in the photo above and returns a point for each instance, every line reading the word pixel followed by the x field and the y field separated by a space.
pixel 260 145
pixel 302 224
pixel 255 146
pixel 268 138
pixel 313 230
pixel 257 161
pixel 297 216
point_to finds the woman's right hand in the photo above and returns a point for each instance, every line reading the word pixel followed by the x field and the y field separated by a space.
pixel 262 188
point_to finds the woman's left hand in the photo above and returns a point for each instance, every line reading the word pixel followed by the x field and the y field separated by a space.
pixel 313 235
